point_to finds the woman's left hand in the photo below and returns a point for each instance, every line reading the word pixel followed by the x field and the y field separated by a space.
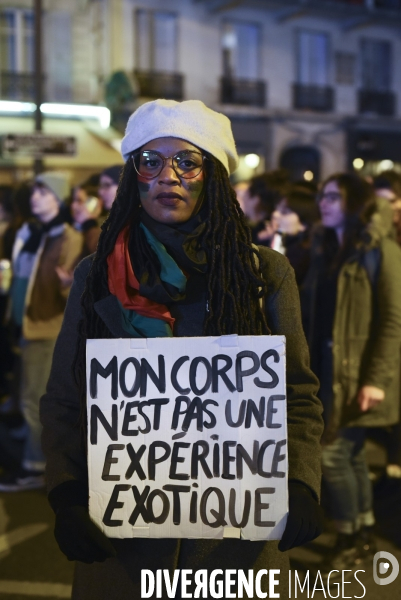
pixel 369 396
pixel 305 517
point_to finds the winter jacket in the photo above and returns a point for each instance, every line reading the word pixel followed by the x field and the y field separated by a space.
pixel 45 297
pixel 66 459
pixel 366 336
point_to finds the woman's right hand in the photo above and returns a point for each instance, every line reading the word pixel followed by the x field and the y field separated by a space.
pixel 79 538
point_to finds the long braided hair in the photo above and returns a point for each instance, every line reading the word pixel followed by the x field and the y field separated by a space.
pixel 234 286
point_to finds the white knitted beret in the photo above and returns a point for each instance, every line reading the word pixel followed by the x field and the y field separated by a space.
pixel 191 120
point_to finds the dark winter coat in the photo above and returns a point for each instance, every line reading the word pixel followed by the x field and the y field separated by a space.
pixel 120 577
pixel 367 324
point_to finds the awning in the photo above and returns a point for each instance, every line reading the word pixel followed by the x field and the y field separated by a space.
pixel 97 148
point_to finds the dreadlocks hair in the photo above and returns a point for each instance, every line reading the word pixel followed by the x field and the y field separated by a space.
pixel 235 284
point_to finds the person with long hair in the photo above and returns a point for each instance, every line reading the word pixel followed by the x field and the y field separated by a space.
pixel 352 316
pixel 175 213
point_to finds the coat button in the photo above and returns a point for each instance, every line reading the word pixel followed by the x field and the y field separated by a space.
pixel 344 362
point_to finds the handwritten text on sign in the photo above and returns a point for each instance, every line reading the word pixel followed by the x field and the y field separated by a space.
pixel 187 437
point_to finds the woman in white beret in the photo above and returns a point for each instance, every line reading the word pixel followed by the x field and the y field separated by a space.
pixel 175 258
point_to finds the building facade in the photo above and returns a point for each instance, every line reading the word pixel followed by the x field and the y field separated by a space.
pixel 310 85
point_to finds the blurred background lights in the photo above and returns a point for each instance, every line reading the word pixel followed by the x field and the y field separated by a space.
pixel 252 160
pixel 358 163
pixel 386 165
pixel 308 175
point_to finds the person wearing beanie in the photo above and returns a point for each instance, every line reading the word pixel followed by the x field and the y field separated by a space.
pixel 175 259
pixel 42 249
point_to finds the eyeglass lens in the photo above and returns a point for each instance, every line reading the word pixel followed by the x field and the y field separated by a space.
pixel 186 164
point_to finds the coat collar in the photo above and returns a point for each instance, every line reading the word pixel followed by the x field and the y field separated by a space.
pixel 109 311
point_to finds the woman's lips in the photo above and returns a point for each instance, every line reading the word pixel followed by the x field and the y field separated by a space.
pixel 168 199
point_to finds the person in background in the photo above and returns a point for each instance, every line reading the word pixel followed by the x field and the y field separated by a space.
pixel 258 204
pixel 241 190
pixel 388 186
pixel 292 222
pixel 38 299
pixel 20 213
pixel 108 184
pixel 352 319
pixel 91 204
pixel 5 275
pixel 86 208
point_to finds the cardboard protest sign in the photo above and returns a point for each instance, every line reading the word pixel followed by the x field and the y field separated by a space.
pixel 187 437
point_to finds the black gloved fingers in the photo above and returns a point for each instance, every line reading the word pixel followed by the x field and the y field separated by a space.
pixel 92 552
pixel 305 534
pixel 291 532
pixel 84 551
pixel 102 542
pixel 79 538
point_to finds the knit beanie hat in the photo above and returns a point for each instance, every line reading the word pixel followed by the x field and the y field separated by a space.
pixel 113 172
pixel 56 183
pixel 191 120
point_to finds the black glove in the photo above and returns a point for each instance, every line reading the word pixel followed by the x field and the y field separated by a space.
pixel 77 536
pixel 305 517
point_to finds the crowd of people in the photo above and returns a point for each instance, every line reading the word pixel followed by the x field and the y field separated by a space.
pixel 46 230
pixel 342 238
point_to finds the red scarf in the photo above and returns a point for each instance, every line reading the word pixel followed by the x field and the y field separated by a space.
pixel 123 283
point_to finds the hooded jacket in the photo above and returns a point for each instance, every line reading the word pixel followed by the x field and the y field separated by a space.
pixel 367 323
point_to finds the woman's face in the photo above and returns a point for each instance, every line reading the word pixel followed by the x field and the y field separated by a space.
pixel 107 191
pixel 331 206
pixel 169 198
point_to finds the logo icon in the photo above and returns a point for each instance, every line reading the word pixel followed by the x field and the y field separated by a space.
pixel 385 559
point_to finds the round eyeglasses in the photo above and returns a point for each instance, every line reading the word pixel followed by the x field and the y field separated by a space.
pixel 187 164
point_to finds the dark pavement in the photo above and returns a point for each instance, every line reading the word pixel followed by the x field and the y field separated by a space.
pixel 31 564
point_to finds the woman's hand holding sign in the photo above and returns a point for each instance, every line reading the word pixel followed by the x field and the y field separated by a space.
pixel 79 538
pixel 305 517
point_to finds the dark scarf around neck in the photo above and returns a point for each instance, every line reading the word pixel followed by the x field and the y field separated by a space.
pixel 182 244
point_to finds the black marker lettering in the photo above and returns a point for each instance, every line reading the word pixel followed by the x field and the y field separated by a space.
pixel 110 428
pixel 113 504
pixel 240 373
pixel 222 372
pixel 174 372
pixel 135 464
pixel 109 460
pixel 123 373
pixel 153 461
pixel 158 380
pixel 176 489
pixel 241 414
pixel 263 361
pixel 97 369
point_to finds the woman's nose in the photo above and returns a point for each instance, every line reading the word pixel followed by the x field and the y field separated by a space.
pixel 168 172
